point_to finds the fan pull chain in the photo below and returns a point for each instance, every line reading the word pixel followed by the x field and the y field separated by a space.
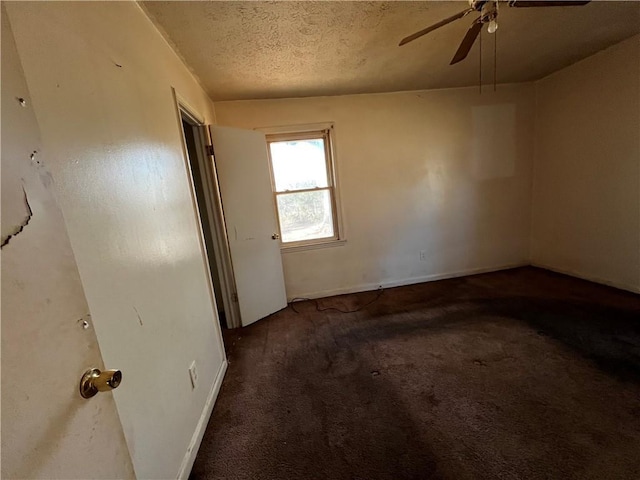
pixel 480 72
pixel 495 59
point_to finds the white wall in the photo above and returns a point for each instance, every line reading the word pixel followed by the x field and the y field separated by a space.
pixel 445 171
pixel 101 75
pixel 586 216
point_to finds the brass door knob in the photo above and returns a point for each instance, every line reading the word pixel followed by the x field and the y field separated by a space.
pixel 94 381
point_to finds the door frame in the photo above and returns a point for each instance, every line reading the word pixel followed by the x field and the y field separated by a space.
pixel 212 208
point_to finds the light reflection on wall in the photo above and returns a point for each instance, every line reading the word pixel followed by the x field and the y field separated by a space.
pixel 142 179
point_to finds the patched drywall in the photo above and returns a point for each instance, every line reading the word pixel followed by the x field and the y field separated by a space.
pixel 101 79
pixel 586 217
pixel 447 172
pixel 48 430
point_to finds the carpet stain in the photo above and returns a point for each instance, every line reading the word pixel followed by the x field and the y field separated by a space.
pixel 514 374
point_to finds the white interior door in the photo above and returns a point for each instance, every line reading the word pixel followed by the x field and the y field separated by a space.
pixel 245 187
pixel 48 340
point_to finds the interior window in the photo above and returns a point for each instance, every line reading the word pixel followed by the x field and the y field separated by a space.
pixel 302 173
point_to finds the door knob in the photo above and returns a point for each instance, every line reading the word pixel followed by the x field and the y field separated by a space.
pixel 94 381
pixel 275 236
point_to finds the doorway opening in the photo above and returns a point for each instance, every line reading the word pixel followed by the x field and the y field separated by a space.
pixel 209 208
pixel 190 144
pixel 239 247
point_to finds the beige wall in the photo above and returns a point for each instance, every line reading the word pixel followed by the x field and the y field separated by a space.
pixel 101 75
pixel 586 216
pixel 444 171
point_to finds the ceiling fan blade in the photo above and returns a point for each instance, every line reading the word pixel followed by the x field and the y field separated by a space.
pixel 467 42
pixel 441 23
pixel 545 3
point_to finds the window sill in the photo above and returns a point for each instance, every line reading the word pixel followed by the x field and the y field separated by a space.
pixel 312 246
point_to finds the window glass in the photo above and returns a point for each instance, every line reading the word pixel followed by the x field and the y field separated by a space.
pixel 299 164
pixel 305 215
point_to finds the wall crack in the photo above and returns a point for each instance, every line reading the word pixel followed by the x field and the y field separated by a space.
pixel 18 230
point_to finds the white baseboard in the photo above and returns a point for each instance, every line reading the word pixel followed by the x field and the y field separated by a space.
pixel 591 278
pixel 194 445
pixel 366 287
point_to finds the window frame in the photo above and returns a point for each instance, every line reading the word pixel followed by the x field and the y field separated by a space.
pixel 309 132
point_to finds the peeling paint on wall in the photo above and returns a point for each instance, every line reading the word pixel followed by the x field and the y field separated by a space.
pixel 23 224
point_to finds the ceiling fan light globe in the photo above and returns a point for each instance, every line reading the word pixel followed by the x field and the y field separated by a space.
pixel 493 26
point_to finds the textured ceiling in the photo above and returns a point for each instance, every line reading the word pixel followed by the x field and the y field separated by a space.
pixel 250 50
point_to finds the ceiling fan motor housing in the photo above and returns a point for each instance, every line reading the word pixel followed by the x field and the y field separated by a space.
pixel 489 12
pixel 478 4
pixel 488 9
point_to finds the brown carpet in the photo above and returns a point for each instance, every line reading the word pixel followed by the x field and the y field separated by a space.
pixel 520 374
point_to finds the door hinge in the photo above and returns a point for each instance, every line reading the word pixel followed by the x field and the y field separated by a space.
pixel 234 296
pixel 210 150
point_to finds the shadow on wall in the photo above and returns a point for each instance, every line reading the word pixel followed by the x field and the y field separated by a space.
pixel 469 206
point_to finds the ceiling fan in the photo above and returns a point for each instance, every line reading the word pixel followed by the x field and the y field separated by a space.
pixel 488 10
